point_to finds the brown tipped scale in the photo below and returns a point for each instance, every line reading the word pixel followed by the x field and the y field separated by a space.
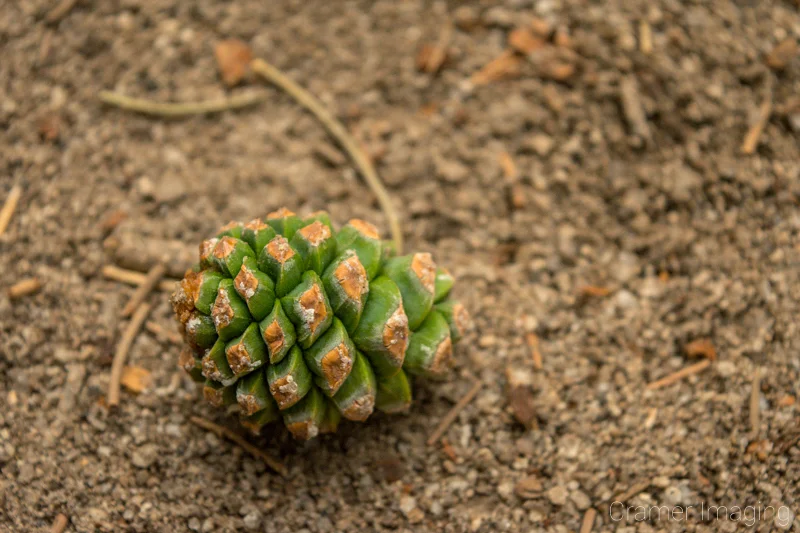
pixel 286 318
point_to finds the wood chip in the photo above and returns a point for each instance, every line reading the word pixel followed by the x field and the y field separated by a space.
pixel 593 291
pixel 524 41
pixel 121 354
pixel 220 431
pixel 49 127
pixel 755 405
pixel 329 154
pixel 701 348
pixel 450 417
pixel 9 207
pixel 233 60
pixel 533 344
pixel 679 375
pixel 24 288
pixel 783 54
pixel 505 66
pixel 44 47
pixel 588 520
pixel 645 38
pixel 131 277
pixel 750 142
pixel 59 524
pixel 541 28
pixel 150 281
pixel 633 110
pixel 136 379
pixel 510 172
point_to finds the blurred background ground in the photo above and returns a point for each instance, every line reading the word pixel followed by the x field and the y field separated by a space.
pixel 597 198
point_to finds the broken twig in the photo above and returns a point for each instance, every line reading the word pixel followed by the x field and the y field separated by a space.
pixel 182 109
pixel 450 417
pixel 221 431
pixel 533 343
pixel 679 375
pixel 342 136
pixel 755 405
pixel 588 520
pixel 59 524
pixel 9 207
pixel 633 110
pixel 24 287
pixel 121 354
pixel 750 142
pixel 131 277
pixel 151 280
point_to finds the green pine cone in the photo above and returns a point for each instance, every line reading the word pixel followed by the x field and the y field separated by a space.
pixel 291 320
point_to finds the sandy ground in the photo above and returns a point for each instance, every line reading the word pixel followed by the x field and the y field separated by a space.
pixel 632 227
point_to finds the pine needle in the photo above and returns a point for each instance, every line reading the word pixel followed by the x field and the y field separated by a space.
pixel 453 413
pixel 221 431
pixel 338 132
pixel 180 109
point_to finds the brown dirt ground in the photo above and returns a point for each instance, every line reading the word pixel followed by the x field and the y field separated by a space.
pixel 692 240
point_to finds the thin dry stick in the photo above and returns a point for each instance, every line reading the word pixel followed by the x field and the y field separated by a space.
pixel 24 287
pixel 9 207
pixel 533 343
pixel 755 405
pixel 59 524
pixel 60 11
pixel 338 132
pixel 634 489
pixel 679 375
pixel 588 520
pixel 150 281
pixel 450 417
pixel 181 109
pixel 121 354
pixel 221 431
pixel 131 277
pixel 750 142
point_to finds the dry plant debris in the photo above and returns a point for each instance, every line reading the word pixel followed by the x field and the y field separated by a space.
pixel 701 348
pixel 505 66
pixel 533 345
pixel 431 57
pixel 450 417
pixel 24 287
pixel 151 280
pixel 121 354
pixel 521 397
pixel 751 139
pixel 679 375
pixel 131 277
pixel 272 462
pixel 588 520
pixel 136 379
pixel 59 523
pixel 181 109
pixel 233 60
pixel 9 207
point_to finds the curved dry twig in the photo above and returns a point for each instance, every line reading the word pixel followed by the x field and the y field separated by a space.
pixel 338 131
pixel 180 109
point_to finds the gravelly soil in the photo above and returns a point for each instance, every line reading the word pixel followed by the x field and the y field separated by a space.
pixel 691 240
